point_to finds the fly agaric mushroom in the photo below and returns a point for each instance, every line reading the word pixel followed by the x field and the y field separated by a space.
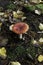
pixel 19 28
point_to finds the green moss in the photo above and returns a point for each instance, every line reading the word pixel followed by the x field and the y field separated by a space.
pixel 30 7
pixel 40 6
pixel 20 50
pixel 32 51
pixel 11 6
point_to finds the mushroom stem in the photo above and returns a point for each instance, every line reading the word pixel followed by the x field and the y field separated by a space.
pixel 20 36
pixel 11 27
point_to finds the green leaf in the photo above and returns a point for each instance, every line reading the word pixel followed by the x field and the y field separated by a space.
pixel 40 6
pixel 30 7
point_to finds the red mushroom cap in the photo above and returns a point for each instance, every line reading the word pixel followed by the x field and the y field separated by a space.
pixel 20 28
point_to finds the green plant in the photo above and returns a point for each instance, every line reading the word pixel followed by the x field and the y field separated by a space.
pixel 40 6
pixel 11 6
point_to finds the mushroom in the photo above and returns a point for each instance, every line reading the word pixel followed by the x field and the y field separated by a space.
pixel 19 28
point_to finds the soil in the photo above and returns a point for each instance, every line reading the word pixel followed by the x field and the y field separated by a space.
pixel 23 50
